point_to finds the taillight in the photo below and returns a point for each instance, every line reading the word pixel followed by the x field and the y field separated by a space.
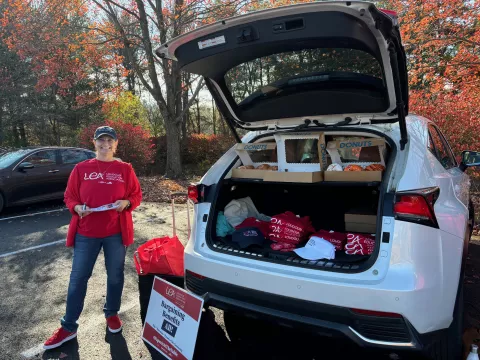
pixel 193 193
pixel 376 313
pixel 417 206
pixel 392 13
pixel 195 275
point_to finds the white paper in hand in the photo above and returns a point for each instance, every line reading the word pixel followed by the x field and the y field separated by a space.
pixel 104 207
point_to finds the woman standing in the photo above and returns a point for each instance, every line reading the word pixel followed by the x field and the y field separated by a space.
pixel 93 183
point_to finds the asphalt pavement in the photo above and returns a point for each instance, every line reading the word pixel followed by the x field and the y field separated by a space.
pixel 35 267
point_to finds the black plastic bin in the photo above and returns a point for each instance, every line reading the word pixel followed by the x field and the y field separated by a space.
pixel 145 283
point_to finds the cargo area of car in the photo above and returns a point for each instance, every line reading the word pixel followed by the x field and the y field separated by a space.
pixel 328 204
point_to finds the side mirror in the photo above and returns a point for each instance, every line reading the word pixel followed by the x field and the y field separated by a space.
pixel 25 166
pixel 469 159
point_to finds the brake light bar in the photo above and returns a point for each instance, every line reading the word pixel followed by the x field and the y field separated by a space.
pixel 376 313
pixel 389 12
pixel 417 206
pixel 194 193
pixel 195 275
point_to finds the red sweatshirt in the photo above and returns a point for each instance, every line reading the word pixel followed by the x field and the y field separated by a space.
pixel 96 183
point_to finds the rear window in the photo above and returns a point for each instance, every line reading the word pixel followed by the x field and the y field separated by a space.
pixel 307 68
pixel 303 151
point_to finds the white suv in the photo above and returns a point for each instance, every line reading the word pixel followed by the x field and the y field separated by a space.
pixel 336 68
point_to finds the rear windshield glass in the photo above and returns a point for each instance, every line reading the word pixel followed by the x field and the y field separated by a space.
pixel 308 68
pixel 302 151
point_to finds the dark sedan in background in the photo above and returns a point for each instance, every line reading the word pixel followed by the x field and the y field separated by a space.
pixel 36 174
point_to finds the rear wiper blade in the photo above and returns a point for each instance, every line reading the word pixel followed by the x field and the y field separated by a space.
pixel 307 123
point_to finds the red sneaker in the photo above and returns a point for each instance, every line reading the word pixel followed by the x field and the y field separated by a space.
pixel 59 337
pixel 114 323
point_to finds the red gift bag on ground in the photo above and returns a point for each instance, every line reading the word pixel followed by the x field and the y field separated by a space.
pixel 160 256
pixel 164 255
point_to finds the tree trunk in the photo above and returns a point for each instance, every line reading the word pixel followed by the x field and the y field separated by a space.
pixel 174 161
pixel 214 118
pixel 2 135
pixel 199 120
pixel 187 113
pixel 16 137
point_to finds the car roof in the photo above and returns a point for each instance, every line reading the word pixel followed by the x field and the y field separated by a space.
pixel 49 148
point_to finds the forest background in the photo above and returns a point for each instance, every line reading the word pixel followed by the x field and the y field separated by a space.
pixel 68 66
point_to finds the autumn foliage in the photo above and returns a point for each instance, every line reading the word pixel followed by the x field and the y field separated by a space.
pixel 134 144
pixel 53 36
pixel 442 40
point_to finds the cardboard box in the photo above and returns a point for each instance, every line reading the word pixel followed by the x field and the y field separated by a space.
pixel 294 177
pixel 370 151
pixel 249 174
pixel 322 152
pixel 243 150
pixel 355 176
pixel 362 223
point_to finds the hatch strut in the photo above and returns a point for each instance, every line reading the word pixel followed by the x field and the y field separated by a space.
pixel 398 96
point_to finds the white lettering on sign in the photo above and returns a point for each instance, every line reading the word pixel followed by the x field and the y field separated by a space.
pixel 172 350
pixel 204 44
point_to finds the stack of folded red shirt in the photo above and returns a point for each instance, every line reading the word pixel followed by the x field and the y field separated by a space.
pixel 288 230
pixel 359 244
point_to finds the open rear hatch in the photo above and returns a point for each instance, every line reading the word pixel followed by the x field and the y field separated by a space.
pixel 304 69
pixel 315 64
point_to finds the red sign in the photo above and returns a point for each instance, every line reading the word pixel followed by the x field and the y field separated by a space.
pixel 172 321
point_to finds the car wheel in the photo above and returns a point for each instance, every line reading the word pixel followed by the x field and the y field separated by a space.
pixel 450 347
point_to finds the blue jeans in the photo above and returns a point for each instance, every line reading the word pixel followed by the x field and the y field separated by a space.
pixel 85 255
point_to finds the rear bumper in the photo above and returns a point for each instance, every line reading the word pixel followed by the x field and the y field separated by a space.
pixel 383 333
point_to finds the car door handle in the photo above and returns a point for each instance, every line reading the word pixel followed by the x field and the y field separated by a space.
pixel 54 171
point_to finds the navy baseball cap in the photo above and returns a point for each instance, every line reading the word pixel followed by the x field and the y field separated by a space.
pixel 248 236
pixel 105 130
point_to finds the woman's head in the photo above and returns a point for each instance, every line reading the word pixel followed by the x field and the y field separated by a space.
pixel 105 141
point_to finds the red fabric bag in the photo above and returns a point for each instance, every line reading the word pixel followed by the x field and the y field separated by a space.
pixel 160 256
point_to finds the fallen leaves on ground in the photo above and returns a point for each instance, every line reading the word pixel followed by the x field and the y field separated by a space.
pixel 159 188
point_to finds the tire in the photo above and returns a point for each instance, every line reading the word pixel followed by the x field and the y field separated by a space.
pixel 2 202
pixel 450 347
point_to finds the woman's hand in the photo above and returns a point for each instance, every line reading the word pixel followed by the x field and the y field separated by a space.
pixel 79 210
pixel 121 205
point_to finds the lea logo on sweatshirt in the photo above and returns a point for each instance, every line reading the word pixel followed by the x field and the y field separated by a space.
pixel 108 176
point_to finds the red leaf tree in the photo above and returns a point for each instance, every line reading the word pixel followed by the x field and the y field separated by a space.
pixel 134 144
